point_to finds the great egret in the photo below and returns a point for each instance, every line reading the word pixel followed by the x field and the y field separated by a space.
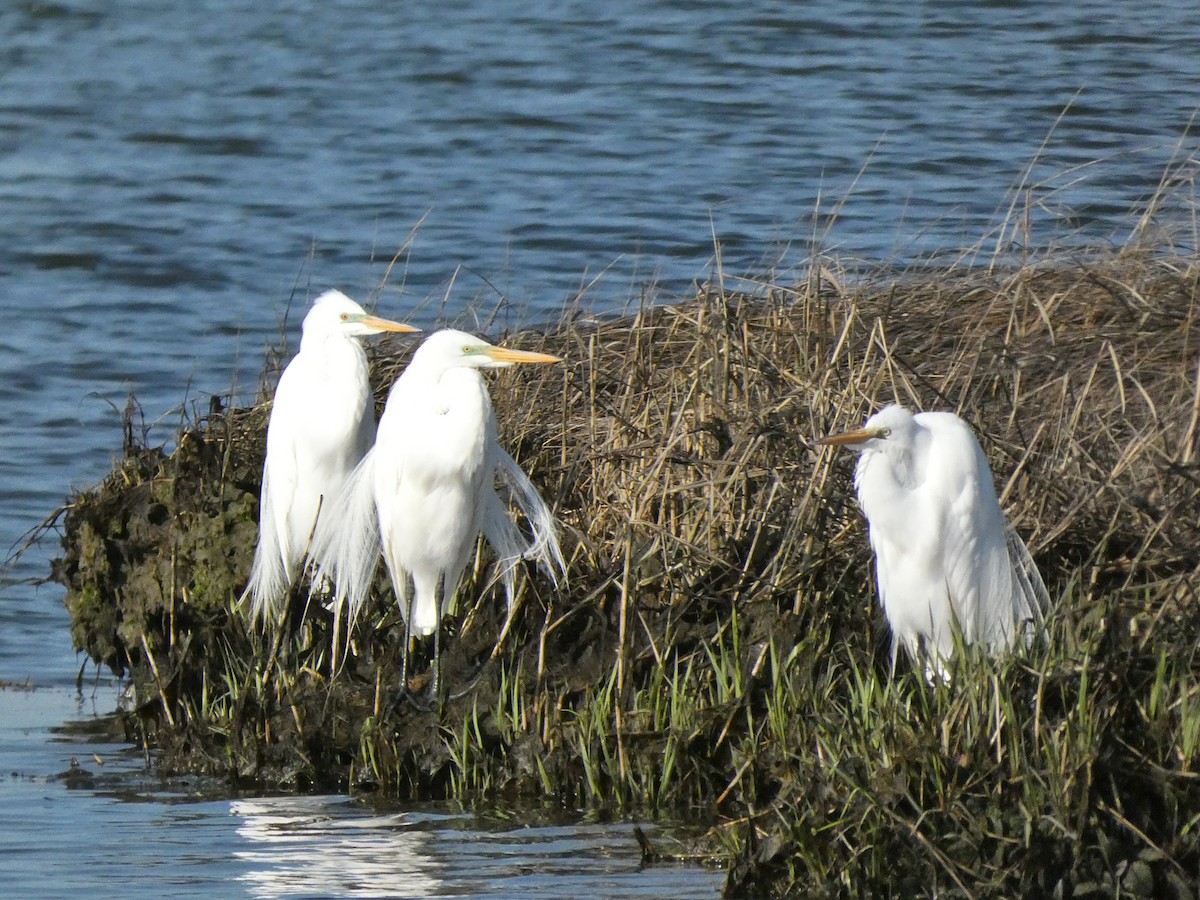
pixel 945 557
pixel 322 423
pixel 428 488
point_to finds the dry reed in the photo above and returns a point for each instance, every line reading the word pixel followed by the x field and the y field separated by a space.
pixel 717 646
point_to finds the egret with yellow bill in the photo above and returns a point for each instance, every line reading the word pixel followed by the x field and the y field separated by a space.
pixel 428 489
pixel 945 557
pixel 322 424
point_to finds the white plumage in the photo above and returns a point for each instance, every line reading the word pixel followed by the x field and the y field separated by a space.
pixel 945 557
pixel 322 423
pixel 427 489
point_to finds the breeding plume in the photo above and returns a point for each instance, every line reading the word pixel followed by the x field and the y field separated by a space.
pixel 427 489
pixel 322 423
pixel 945 557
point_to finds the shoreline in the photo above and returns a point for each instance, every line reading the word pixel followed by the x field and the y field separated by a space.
pixel 718 650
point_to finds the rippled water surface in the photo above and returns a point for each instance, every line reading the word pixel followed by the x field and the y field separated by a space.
pixel 114 828
pixel 178 179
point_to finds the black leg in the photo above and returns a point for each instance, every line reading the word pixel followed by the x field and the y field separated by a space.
pixel 403 693
pixel 433 699
pixel 435 692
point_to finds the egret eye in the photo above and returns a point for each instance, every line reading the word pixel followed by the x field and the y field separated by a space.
pixel 468 349
pixel 345 317
pixel 885 432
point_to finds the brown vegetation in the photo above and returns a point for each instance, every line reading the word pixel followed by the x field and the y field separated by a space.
pixel 718 648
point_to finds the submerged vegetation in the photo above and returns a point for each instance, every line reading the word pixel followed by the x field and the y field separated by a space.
pixel 717 649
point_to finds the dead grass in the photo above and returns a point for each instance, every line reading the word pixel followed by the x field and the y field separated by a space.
pixel 718 646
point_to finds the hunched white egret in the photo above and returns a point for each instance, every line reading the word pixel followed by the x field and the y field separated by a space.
pixel 945 556
pixel 427 489
pixel 322 423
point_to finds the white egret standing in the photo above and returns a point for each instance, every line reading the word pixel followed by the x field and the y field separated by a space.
pixel 322 423
pixel 428 488
pixel 945 557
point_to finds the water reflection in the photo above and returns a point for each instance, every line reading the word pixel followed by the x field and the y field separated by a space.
pixel 336 847
pixel 328 847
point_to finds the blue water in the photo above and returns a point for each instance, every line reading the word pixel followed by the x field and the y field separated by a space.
pixel 178 179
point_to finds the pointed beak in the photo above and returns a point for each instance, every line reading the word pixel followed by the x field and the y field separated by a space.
pixel 847 438
pixel 386 325
pixel 504 355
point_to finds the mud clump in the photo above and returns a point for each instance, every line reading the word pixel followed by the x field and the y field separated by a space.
pixel 716 649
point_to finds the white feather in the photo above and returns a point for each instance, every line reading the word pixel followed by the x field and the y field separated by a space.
pixel 429 487
pixel 946 560
pixel 345 547
pixel 506 538
pixel 322 422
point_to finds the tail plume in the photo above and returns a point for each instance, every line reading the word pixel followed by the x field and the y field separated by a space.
pixel 507 538
pixel 346 546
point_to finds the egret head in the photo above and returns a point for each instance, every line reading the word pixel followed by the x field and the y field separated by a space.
pixel 451 348
pixel 335 313
pixel 891 426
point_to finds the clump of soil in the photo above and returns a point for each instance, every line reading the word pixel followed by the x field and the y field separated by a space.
pixel 717 647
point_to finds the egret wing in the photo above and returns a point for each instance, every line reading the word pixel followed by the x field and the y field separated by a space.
pixel 958 487
pixel 268 580
pixel 890 592
pixel 295 479
pixel 994 583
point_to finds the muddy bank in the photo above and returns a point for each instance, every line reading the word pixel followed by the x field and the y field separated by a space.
pixel 717 648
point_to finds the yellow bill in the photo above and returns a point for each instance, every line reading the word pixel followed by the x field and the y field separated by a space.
pixel 847 438
pixel 380 324
pixel 505 355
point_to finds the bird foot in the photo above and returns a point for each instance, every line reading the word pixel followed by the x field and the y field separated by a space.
pixel 421 702
pixel 427 700
pixel 471 682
